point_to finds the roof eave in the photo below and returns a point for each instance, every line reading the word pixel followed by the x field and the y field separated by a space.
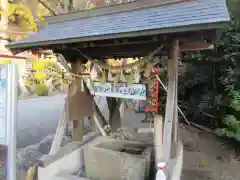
pixel 121 35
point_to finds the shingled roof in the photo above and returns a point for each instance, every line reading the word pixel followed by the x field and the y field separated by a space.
pixel 172 17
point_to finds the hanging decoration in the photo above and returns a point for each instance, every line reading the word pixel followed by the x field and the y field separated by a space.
pixel 129 73
pixel 120 74
pixel 153 85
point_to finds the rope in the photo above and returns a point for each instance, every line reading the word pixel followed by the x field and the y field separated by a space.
pixel 122 67
pixel 105 66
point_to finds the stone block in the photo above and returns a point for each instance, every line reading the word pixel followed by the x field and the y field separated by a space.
pixel 112 159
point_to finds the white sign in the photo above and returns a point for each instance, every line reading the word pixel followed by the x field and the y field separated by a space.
pixel 120 90
pixel 3 98
pixel 8 115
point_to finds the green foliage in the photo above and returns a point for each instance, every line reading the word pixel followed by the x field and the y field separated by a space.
pixel 209 86
pixel 235 100
pixel 231 129
pixel 28 83
pixel 43 70
pixel 230 75
pixel 39 65
pixel 41 90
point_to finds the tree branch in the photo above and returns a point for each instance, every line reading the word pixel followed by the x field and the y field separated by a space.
pixel 47 7
pixel 61 4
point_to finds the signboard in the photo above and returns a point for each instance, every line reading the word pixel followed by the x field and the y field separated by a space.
pixel 3 98
pixel 120 90
pixel 8 115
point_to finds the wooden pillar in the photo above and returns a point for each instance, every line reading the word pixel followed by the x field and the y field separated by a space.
pixel 176 57
pixel 114 113
pixel 171 106
pixel 158 138
pixel 114 108
pixel 78 130
pixel 66 5
pixel 78 124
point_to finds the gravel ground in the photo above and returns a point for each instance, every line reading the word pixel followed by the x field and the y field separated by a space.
pixel 207 157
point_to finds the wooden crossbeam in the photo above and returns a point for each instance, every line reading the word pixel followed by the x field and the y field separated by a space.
pixel 196 46
pixel 127 66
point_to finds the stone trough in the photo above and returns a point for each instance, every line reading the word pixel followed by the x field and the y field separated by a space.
pixel 98 158
pixel 117 159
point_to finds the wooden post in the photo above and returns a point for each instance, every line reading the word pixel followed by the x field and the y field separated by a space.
pixel 78 130
pixel 114 113
pixel 176 57
pixel 56 144
pixel 158 138
pixel 174 146
pixel 66 5
pixel 171 106
pixel 114 108
pixel 78 124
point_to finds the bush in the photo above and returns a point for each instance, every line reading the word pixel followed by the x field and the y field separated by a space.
pixel 231 129
pixel 28 83
pixel 41 90
pixel 40 76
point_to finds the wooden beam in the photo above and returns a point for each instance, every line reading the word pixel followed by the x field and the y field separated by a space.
pixel 171 101
pixel 196 46
pixel 197 32
pixel 160 39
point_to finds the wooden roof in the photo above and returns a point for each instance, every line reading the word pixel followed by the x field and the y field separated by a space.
pixel 131 24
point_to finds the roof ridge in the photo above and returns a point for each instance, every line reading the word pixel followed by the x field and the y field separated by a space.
pixel 124 7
